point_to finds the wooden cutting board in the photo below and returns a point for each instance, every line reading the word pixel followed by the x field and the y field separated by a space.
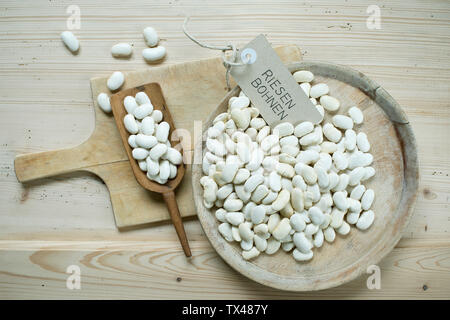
pixel 192 91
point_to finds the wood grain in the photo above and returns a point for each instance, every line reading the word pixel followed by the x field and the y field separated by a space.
pixel 139 270
pixel 70 217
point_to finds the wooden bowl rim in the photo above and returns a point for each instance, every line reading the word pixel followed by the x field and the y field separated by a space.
pixel 405 209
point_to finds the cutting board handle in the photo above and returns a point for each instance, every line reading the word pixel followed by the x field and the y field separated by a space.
pixel 45 164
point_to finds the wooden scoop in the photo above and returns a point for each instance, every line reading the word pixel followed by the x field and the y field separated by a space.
pixel 154 92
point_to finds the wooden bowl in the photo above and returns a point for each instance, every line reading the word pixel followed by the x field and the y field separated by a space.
pixel 396 185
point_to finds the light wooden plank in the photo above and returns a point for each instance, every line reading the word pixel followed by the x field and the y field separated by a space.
pixel 151 272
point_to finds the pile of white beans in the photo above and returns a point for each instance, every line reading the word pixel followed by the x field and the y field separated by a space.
pixel 149 139
pixel 291 187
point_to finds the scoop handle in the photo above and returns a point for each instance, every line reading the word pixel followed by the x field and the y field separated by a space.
pixel 171 202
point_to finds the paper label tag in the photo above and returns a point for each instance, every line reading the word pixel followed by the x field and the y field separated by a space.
pixel 271 87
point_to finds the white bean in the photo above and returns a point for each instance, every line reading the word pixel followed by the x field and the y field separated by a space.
pixel 302 243
pixel 142 98
pixel 257 123
pixel 234 218
pixel 344 229
pixel 303 76
pixel 352 217
pixel 356 114
pixel 357 192
pixel 151 36
pixel 132 141
pixel 340 200
pixel 273 222
pixel 260 243
pixel 342 122
pixel 121 50
pixel 145 141
pixel 130 104
pixel 220 214
pixel 232 205
pixel 322 177
pixel 152 166
pixel 329 234
pixel 329 103
pixel 103 102
pixel 245 232
pixel 148 126
pixel 367 199
pixel 142 165
pixel 308 156
pixel 303 129
pixel 273 245
pixel 139 153
pixel 282 230
pixel 285 170
pixel 130 124
pixel 173 171
pixel 241 118
pixel 319 90
pixel 257 214
pixel 282 200
pixel 306 87
pixel 154 54
pixel 268 142
pixel 252 182
pixel 355 176
pixel 157 151
pixel 143 111
pixel 350 139
pixel 225 231
pixel 328 147
pixel 235 233
pixel 300 256
pixel 311 229
pixel 70 41
pixel 115 81
pixel 174 156
pixel 318 239
pixel 362 142
pixel 162 132
pixel 316 215
pixel 365 220
pixel 241 176
pixel 164 170
pixel 331 133
pixel 369 172
pixel 284 129
pixel 337 217
pixel 359 159
pixel 157 116
pixel 260 192
pixel 239 103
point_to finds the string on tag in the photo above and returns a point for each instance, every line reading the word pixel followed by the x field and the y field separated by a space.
pixel 247 59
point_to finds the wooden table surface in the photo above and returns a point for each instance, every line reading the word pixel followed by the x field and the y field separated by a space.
pixel 46 104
